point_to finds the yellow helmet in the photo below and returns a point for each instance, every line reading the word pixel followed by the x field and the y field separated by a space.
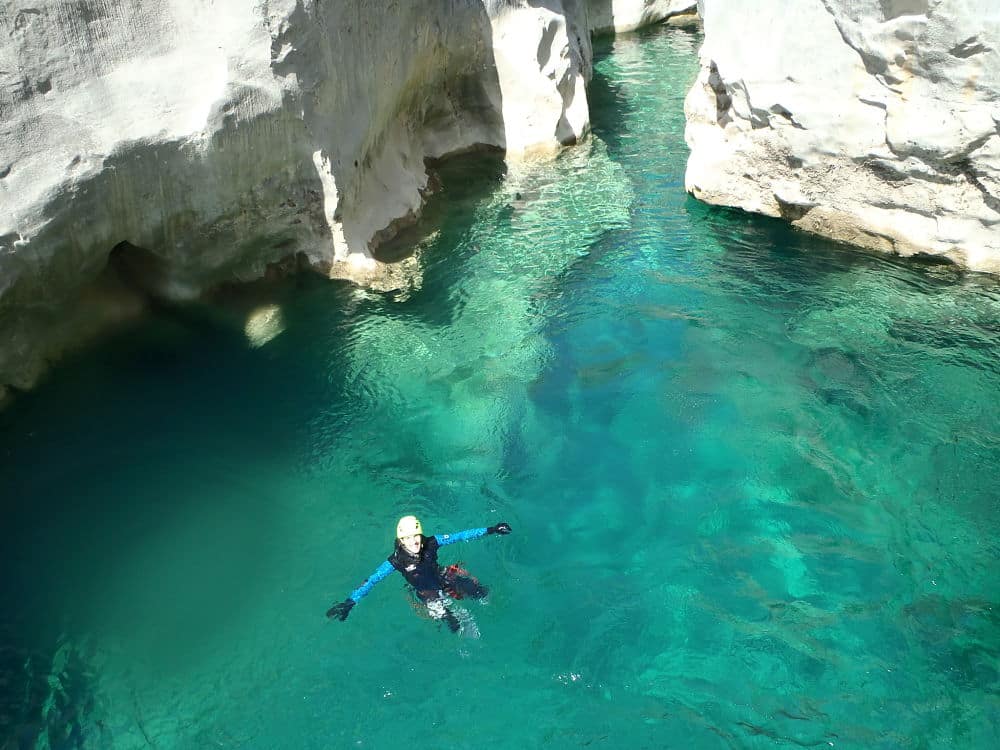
pixel 408 526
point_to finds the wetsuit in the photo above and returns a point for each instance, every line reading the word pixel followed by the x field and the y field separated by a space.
pixel 431 583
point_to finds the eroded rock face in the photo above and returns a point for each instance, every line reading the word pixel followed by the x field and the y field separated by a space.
pixel 194 142
pixel 543 62
pixel 876 122
pixel 219 137
pixel 628 15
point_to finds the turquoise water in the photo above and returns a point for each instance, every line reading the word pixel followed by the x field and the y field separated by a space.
pixel 753 479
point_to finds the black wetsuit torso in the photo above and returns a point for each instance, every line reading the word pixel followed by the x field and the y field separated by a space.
pixel 421 570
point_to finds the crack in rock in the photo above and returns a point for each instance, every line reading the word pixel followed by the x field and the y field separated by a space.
pixel 723 100
pixel 965 168
pixel 969 47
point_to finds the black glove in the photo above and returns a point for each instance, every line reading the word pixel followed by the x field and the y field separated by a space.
pixel 342 610
pixel 501 528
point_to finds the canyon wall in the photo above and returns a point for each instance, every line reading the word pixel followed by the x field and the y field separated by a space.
pixel 159 148
pixel 875 122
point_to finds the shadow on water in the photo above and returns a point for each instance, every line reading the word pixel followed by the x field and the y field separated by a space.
pixel 91 474
pixel 441 234
pixel 101 464
pixel 465 178
pixel 787 265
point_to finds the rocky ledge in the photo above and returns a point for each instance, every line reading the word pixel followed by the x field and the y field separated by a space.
pixel 875 122
pixel 158 148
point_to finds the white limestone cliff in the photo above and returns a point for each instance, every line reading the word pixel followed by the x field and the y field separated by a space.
pixel 186 143
pixel 629 15
pixel 875 122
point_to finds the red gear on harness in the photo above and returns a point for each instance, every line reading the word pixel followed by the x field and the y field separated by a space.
pixel 452 572
pixel 449 575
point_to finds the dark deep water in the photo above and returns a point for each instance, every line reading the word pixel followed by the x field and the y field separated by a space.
pixel 753 478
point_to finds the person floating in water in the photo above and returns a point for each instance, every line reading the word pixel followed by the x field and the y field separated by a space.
pixel 416 557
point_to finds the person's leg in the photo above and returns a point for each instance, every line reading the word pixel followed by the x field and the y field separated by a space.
pixel 439 610
pixel 470 587
pixel 452 621
pixel 461 585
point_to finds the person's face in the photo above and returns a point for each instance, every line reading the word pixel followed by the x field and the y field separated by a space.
pixel 411 543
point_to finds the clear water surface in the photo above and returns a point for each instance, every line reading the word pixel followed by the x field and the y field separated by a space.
pixel 753 478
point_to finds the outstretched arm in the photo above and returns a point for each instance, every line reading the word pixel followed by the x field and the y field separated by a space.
pixel 381 572
pixel 463 536
pixel 343 609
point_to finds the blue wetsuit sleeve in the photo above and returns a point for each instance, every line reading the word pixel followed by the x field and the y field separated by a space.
pixel 380 572
pixel 460 536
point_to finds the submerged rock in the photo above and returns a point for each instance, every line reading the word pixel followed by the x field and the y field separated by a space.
pixel 215 139
pixel 874 122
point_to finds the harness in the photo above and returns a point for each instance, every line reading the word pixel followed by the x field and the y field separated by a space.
pixel 421 570
pixel 427 579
